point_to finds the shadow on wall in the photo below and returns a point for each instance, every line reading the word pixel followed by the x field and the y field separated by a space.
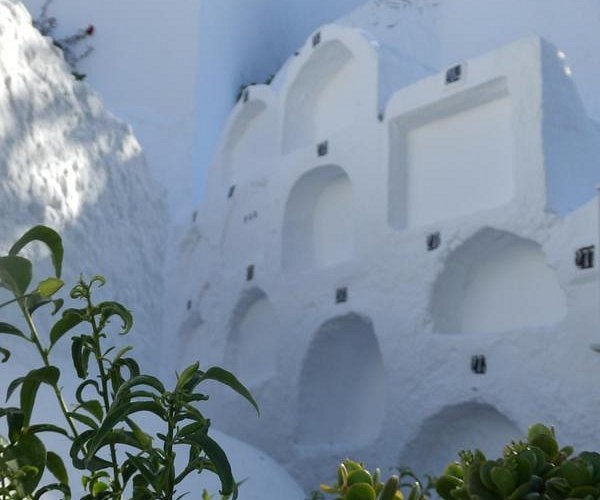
pixel 497 282
pixel 464 426
pixel 253 323
pixel 67 163
pixel 342 385
pixel 322 98
pixel 318 226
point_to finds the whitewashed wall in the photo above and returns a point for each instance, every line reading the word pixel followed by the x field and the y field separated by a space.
pixel 287 224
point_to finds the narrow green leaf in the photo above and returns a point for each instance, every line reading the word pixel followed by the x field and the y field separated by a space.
pixel 5 353
pixel 34 301
pixel 142 467
pixel 147 380
pixel 109 309
pixel 13 386
pixel 70 319
pixel 219 459
pixel 94 408
pixel 15 274
pixel 186 375
pixel 63 488
pixel 144 439
pixel 11 330
pixel 98 488
pixel 49 286
pixel 82 387
pixel 57 467
pixel 46 375
pixel 116 414
pixel 58 303
pixel 31 452
pixel 229 379
pixel 15 420
pixel 37 428
pixel 84 419
pixel 80 355
pixel 47 236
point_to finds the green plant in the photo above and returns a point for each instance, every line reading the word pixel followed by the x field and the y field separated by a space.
pixel 534 470
pixel 107 443
pixel 355 482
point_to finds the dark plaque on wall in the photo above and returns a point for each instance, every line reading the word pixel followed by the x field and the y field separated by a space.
pixel 478 364
pixel 584 257
pixel 341 295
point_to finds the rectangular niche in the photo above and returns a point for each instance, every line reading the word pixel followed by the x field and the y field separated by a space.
pixel 452 157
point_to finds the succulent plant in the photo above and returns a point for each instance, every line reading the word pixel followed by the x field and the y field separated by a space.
pixel 355 482
pixel 534 470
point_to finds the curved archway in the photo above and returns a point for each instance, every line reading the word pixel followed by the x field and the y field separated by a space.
pixel 318 226
pixel 323 97
pixel 253 342
pixel 460 427
pixel 342 385
pixel 496 282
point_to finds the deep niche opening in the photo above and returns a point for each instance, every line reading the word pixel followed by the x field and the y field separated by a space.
pixel 497 282
pixel 342 385
pixel 253 346
pixel 318 228
pixel 323 98
pixel 465 426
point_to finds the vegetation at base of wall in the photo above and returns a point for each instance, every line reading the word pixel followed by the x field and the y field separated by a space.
pixel 537 469
pixel 116 456
pixel 355 482
pixel 534 470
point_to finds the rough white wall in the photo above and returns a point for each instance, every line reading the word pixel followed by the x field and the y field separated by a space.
pixel 520 301
pixel 67 162
pixel 145 68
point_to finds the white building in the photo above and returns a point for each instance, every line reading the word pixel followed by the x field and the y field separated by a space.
pixel 375 231
pixel 358 265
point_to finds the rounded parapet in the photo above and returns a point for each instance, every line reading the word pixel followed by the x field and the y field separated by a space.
pixel 330 85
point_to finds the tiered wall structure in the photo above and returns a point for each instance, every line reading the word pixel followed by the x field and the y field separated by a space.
pixel 395 283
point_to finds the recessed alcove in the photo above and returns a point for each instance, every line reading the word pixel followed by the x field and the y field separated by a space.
pixel 250 138
pixel 452 157
pixel 464 426
pixel 318 226
pixel 323 97
pixel 253 342
pixel 496 282
pixel 342 385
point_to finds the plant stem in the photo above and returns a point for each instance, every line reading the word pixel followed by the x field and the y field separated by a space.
pixel 169 455
pixel 103 380
pixel 16 299
pixel 35 338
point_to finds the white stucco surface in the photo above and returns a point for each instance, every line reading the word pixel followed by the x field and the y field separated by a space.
pixel 482 162
pixel 502 164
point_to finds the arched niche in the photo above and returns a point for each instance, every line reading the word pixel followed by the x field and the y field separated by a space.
pixel 459 427
pixel 253 342
pixel 496 282
pixel 342 385
pixel 250 136
pixel 324 97
pixel 318 228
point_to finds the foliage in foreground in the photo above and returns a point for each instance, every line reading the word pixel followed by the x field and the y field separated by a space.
pixel 355 482
pixel 107 443
pixel 534 470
